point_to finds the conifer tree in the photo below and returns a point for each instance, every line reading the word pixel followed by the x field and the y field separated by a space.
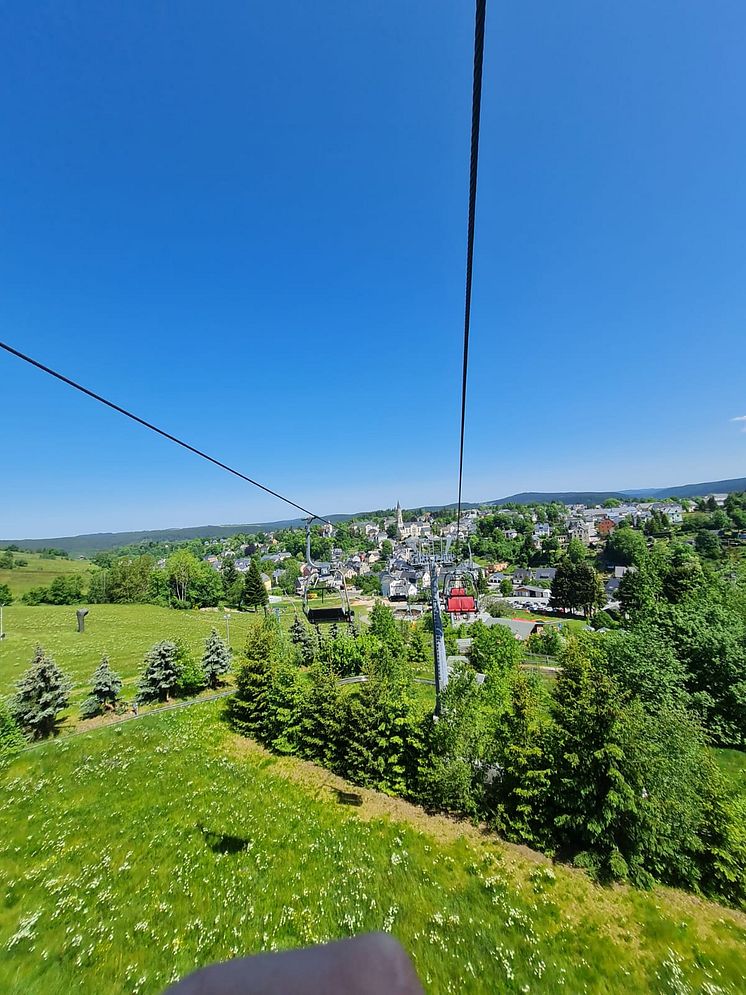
pixel 418 649
pixel 321 718
pixel 526 770
pixel 254 676
pixel 228 573
pixel 216 660
pixel 162 675
pixel 303 638
pixel 42 692
pixel 248 708
pixel 255 592
pixel 590 792
pixel 104 690
pixel 282 709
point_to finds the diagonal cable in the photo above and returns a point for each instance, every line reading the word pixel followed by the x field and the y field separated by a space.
pixel 159 431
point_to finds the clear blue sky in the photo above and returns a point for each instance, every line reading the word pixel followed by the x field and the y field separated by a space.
pixel 247 222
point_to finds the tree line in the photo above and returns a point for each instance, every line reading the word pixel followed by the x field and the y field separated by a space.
pixel 609 769
pixel 182 582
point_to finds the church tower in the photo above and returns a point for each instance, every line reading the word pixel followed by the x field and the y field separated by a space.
pixel 399 519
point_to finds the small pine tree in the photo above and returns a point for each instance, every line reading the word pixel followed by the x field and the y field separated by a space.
pixel 41 694
pixel 303 638
pixel 216 660
pixel 104 691
pixel 524 786
pixel 161 676
pixel 418 649
pixel 248 708
pixel 11 737
pixel 255 592
pixel 590 793
pixel 321 718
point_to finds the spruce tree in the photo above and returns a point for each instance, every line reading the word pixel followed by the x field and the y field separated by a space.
pixel 321 718
pixel 162 675
pixel 526 769
pixel 255 592
pixel 418 650
pixel 304 640
pixel 216 660
pixel 104 691
pixel 248 707
pixel 591 795
pixel 42 692
pixel 229 573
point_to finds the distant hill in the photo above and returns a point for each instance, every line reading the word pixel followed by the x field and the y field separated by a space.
pixel 597 497
pixel 563 497
pixel 695 490
pixel 87 545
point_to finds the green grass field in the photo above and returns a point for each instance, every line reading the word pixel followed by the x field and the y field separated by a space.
pixel 733 765
pixel 40 572
pixel 131 855
pixel 125 632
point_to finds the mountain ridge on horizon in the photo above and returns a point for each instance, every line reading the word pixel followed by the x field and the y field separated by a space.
pixel 95 542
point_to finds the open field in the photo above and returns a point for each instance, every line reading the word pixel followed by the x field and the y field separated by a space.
pixel 40 572
pixel 125 632
pixel 131 855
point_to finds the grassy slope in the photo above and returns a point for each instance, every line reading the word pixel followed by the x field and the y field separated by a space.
pixel 109 883
pixel 733 765
pixel 40 572
pixel 125 632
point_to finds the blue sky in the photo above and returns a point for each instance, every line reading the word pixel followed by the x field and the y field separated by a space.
pixel 247 222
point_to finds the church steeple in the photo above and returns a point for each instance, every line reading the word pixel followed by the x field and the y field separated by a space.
pixel 399 518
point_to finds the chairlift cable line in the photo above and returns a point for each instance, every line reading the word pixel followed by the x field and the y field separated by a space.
pixel 476 105
pixel 159 431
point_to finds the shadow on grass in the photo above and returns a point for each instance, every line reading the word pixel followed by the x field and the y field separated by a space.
pixel 348 797
pixel 223 842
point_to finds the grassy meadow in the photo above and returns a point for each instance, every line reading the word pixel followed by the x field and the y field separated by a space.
pixel 40 572
pixel 131 855
pixel 124 632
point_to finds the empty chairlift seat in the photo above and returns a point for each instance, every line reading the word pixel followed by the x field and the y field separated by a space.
pixel 460 603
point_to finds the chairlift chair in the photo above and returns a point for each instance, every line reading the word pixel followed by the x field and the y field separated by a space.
pixel 335 601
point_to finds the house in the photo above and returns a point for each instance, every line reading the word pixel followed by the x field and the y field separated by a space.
pixel 611 587
pixel 673 512
pixel 605 526
pixel 584 531
pixel 531 591
pixel 396 587
pixel 275 557
pixel 267 581
pixel 525 574
pixel 242 564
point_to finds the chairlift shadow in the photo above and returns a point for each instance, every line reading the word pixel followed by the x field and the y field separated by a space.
pixel 223 842
pixel 348 797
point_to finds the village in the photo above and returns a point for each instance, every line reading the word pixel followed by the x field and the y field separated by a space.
pixel 393 557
